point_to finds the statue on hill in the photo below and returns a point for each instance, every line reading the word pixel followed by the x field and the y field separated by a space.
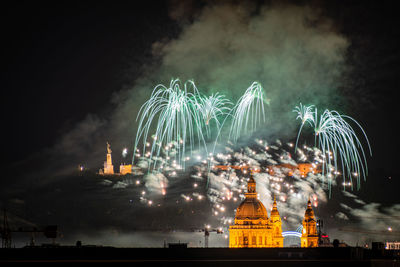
pixel 108 148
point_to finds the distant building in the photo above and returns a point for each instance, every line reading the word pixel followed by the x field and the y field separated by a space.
pixel 309 237
pixel 392 245
pixel 252 227
pixel 125 169
pixel 324 241
pixel 108 166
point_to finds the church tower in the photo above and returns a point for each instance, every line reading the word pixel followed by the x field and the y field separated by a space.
pixel 276 225
pixel 108 167
pixel 309 237
pixel 252 228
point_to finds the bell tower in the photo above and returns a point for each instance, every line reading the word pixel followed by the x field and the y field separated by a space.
pixel 309 237
pixel 276 225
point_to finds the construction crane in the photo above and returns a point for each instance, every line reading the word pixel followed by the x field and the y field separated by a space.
pixel 5 232
pixel 49 231
pixel 207 229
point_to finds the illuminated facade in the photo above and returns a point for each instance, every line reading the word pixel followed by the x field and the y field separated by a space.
pixel 392 245
pixel 108 166
pixel 125 169
pixel 252 228
pixel 309 236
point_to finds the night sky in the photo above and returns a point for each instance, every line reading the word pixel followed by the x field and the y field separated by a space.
pixel 65 60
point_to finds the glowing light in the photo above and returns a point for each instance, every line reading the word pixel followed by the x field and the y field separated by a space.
pixel 335 136
pixel 124 152
pixel 212 108
pixel 292 233
pixel 178 119
pixel 248 112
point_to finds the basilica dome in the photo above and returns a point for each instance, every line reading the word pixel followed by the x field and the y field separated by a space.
pixel 251 208
pixel 252 229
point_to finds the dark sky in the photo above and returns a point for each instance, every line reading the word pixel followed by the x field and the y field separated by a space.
pixel 64 60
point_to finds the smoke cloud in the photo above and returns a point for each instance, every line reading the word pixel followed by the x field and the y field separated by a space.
pixel 291 50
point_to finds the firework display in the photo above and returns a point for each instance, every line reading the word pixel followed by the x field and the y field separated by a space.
pixel 187 163
pixel 182 117
pixel 182 120
pixel 277 169
pixel 178 121
pixel 337 141
pixel 213 108
pixel 249 112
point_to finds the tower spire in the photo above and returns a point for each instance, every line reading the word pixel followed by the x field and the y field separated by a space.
pixel 274 211
pixel 251 188
pixel 309 236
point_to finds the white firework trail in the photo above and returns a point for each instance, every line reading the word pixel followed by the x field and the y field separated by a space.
pixel 212 108
pixel 177 120
pixel 246 115
pixel 337 141
pixel 249 111
pixel 305 114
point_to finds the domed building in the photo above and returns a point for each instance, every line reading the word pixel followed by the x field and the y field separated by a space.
pixel 252 228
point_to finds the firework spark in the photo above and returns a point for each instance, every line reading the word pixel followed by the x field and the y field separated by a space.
pixel 337 141
pixel 249 112
pixel 305 114
pixel 213 108
pixel 178 120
